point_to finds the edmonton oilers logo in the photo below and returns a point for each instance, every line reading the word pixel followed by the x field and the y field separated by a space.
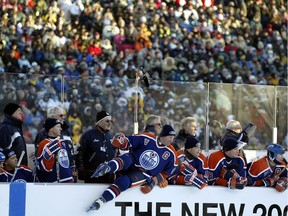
pixel 63 158
pixel 149 159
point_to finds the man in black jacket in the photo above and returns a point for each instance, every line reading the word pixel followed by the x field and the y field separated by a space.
pixel 11 131
pixel 96 148
pixel 188 127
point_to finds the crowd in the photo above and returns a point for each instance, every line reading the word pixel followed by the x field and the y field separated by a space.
pixel 189 40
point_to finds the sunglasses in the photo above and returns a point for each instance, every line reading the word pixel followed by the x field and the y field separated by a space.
pixel 159 124
pixel 62 116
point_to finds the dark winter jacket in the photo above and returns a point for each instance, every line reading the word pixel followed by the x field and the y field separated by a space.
pixel 95 148
pixel 179 141
pixel 11 136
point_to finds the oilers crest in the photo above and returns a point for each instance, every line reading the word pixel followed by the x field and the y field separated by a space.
pixel 63 158
pixel 149 159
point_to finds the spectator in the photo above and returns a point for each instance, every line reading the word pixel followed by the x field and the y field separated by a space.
pixel 153 125
pixel 11 131
pixel 96 148
pixel 53 164
pixel 188 127
pixel 14 172
pixel 270 170
pixel 226 167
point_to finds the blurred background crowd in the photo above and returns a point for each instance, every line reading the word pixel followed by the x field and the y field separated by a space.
pixel 84 55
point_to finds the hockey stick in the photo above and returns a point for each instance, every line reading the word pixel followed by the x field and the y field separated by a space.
pixel 17 166
pixel 278 175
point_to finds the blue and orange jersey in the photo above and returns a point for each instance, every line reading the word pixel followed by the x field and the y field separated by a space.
pixel 152 157
pixel 3 176
pixel 53 166
pixel 22 174
pixel 200 163
pixel 217 160
pixel 260 169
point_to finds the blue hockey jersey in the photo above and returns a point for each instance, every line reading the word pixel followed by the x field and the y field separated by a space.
pixel 152 157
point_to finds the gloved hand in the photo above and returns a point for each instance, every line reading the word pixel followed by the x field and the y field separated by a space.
pixel 186 169
pixel 281 184
pixel 237 183
pixel 227 174
pixel 51 148
pixel 269 182
pixel 196 181
pixel 156 180
pixel 146 188
pixel 120 141
pixel 160 181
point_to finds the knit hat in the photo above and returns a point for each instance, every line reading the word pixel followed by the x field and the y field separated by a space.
pixel 192 142
pixel 167 130
pixel 8 153
pixel 102 115
pixel 2 157
pixel 10 108
pixel 50 123
pixel 231 143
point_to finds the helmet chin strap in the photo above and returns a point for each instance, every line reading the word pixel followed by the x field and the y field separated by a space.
pixel 273 162
pixel 276 161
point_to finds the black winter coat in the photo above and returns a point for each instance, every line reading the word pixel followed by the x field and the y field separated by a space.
pixel 11 136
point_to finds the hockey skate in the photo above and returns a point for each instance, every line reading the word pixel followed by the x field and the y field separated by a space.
pixel 101 170
pixel 96 204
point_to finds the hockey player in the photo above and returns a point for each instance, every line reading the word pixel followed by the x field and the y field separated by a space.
pixel 195 162
pixel 15 172
pixel 53 163
pixel 270 170
pixel 226 167
pixel 3 174
pixel 150 161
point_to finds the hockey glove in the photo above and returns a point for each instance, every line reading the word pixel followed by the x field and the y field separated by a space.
pixel 146 188
pixel 237 183
pixel 196 181
pixel 282 184
pixel 269 182
pixel 120 141
pixel 160 181
pixel 186 169
pixel 51 148
pixel 227 174
pixel 156 180
pixel 101 170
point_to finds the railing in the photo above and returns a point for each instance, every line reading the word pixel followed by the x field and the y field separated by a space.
pixel 84 96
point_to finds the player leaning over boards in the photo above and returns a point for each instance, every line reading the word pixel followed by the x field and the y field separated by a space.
pixel 226 167
pixel 270 170
pixel 150 162
pixel 193 166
